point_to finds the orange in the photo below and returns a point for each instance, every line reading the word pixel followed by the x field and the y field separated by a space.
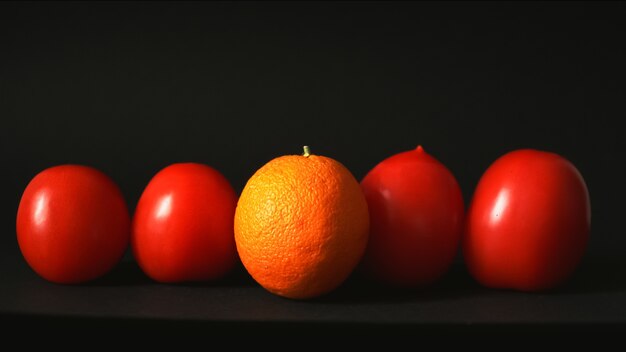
pixel 301 225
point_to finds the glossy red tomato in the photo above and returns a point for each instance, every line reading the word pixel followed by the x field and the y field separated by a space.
pixel 72 224
pixel 416 219
pixel 528 223
pixel 183 225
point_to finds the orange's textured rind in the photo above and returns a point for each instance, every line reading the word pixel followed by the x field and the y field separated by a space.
pixel 301 225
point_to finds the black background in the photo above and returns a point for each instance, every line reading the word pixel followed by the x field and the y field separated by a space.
pixel 131 87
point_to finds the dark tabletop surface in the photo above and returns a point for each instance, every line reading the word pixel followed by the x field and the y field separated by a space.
pixel 595 296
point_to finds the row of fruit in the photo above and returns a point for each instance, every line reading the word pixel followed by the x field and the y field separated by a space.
pixel 303 223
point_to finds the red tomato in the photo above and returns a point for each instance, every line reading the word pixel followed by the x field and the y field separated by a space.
pixel 528 223
pixel 416 219
pixel 183 225
pixel 72 224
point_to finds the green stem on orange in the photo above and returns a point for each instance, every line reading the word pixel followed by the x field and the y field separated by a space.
pixel 307 151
